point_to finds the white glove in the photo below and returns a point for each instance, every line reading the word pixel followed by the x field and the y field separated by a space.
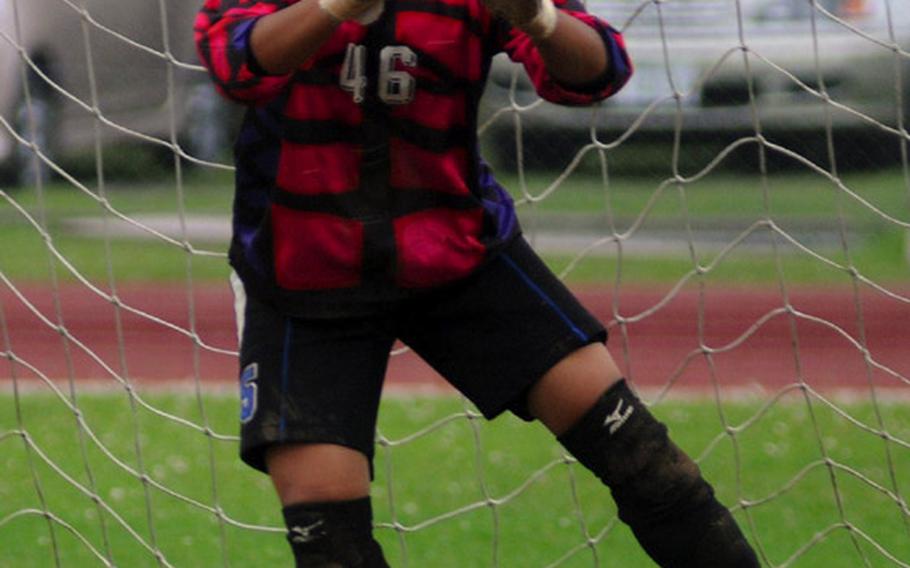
pixel 364 11
pixel 537 18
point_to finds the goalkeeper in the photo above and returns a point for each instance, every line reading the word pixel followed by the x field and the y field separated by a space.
pixel 364 214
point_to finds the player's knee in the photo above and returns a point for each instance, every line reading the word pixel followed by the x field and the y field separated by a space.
pixel 335 534
pixel 659 490
pixel 320 491
pixel 570 387
pixel 316 473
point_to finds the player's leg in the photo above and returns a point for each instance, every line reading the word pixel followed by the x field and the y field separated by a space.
pixel 318 472
pixel 514 338
pixel 572 386
pixel 324 491
pixel 310 393
pixel 658 489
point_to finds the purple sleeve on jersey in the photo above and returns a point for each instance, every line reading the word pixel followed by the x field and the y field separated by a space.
pixel 497 202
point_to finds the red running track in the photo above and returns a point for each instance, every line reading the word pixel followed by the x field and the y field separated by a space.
pixel 652 349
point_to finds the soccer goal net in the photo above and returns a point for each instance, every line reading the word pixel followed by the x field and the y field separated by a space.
pixel 738 216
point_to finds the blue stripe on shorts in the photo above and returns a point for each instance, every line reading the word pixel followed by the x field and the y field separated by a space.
pixel 546 298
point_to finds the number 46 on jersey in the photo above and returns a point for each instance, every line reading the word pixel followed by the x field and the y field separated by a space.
pixel 396 87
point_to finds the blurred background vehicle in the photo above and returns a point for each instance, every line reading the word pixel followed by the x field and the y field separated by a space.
pixel 129 62
pixel 778 68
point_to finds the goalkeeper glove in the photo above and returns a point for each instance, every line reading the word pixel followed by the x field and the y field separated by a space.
pixel 537 18
pixel 363 11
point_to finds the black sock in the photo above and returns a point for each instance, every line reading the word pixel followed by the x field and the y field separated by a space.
pixel 337 534
pixel 659 490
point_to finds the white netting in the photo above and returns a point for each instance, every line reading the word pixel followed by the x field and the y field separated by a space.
pixel 778 106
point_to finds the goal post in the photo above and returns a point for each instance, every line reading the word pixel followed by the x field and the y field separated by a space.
pixel 738 216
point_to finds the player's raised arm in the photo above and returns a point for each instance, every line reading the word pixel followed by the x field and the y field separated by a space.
pixel 572 51
pixel 284 40
pixel 572 57
pixel 251 47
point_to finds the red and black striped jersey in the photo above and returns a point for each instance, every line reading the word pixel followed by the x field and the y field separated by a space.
pixel 358 176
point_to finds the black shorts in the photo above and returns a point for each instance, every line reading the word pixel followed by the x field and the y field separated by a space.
pixel 492 336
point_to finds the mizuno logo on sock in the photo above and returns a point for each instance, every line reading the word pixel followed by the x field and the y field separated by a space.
pixel 618 417
pixel 303 535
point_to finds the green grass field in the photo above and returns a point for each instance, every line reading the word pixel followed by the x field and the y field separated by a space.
pixel 522 504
